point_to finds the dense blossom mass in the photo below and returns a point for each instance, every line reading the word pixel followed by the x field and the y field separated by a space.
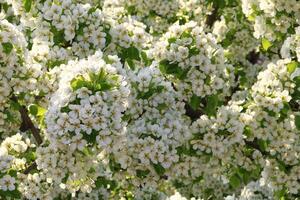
pixel 150 99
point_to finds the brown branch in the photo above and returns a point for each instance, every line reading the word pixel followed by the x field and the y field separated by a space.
pixel 210 20
pixel 31 167
pixel 27 124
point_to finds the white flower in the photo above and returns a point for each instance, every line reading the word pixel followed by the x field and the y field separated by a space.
pixel 7 183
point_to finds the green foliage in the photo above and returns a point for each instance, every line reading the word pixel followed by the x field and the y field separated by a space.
pixel 90 138
pixel 15 194
pixel 130 53
pixel 7 47
pixel 235 181
pixel 101 81
pixel 296 94
pixel 292 66
pixel 153 89
pixel 173 69
pixel 103 182
pixel 54 63
pixel 266 44
pixel 145 59
pixel 230 36
pixel 38 112
pixel 297 121
pixel 160 170
pixel 195 102
pixel 58 36
pixel 27 5
pixel 211 105
pixel 142 173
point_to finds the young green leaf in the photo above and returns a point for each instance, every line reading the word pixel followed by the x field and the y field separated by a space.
pixel 292 66
pixel 266 44
pixel 195 102
pixel 297 121
pixel 212 105
pixel 234 181
pixel 27 5
pixel 7 47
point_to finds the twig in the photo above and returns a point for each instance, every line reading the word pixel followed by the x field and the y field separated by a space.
pixel 31 167
pixel 210 20
pixel 27 124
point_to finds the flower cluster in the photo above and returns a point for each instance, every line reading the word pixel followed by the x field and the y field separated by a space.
pixel 15 152
pixel 291 46
pixel 193 61
pixel 272 19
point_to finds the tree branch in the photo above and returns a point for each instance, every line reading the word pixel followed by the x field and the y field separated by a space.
pixel 27 124
pixel 31 167
pixel 210 20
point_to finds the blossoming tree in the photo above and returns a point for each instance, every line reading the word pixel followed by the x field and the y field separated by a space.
pixel 150 99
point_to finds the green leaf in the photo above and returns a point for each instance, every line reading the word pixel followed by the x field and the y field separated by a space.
pixel 33 109
pixel 172 40
pixel 234 181
pixel 90 138
pixel 108 37
pixel 65 109
pixel 292 66
pixel 162 106
pixel 296 94
pixel 280 194
pixel 113 165
pixel 172 68
pixel 266 44
pixel 79 31
pixel 77 83
pixel 15 194
pixel 186 34
pixel 27 5
pixel 131 10
pixel 247 131
pixel 145 58
pixel 87 151
pixel 194 51
pixel 297 121
pixel 142 173
pixel 219 3
pixel 58 36
pixel 13 173
pixel 212 105
pixel 160 170
pixel 263 145
pixel 282 166
pixel 30 156
pixel 130 53
pixel 130 64
pixel 195 102
pixel 15 105
pixel 152 90
pixel 53 63
pixel 7 47
pixel 92 9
